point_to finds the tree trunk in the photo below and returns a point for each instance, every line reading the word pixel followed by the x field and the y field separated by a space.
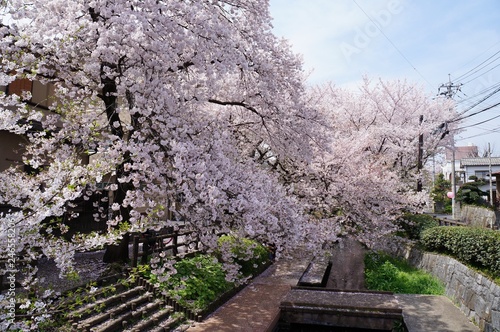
pixel 118 253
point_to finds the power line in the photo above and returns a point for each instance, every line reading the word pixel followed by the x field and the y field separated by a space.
pixel 484 67
pixel 494 86
pixel 481 100
pixel 475 113
pixel 472 79
pixel 482 134
pixel 473 71
pixel 475 124
pixel 479 55
pixel 390 41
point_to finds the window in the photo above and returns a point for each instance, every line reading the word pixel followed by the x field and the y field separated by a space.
pixel 482 174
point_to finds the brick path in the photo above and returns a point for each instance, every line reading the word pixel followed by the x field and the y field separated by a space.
pixel 256 307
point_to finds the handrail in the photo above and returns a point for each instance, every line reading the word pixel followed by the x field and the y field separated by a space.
pixel 156 243
pixel 450 222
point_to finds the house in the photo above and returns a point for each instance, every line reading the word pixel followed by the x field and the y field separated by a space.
pixel 461 152
pixel 12 149
pixel 11 144
pixel 480 168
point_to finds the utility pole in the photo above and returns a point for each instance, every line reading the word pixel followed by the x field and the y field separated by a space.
pixel 420 156
pixel 491 181
pixel 453 183
pixel 449 90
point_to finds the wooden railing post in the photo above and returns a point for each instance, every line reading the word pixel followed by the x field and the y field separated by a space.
pixel 174 243
pixel 135 250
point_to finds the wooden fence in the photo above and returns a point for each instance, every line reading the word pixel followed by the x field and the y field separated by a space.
pixel 172 242
pixel 450 222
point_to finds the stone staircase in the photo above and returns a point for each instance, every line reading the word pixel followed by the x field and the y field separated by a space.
pixel 135 307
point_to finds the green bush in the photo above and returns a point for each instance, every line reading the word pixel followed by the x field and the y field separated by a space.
pixel 199 281
pixel 414 224
pixel 386 273
pixel 478 247
pixel 249 254
pixel 470 193
pixel 439 194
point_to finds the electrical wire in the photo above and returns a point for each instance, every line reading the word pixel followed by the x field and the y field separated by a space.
pixel 472 79
pixel 494 86
pixel 459 118
pixel 478 98
pixel 479 55
pixel 482 100
pixel 390 41
pixel 475 124
pixel 473 71
pixel 474 136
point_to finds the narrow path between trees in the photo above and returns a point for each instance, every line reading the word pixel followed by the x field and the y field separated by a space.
pixel 256 307
pixel 348 266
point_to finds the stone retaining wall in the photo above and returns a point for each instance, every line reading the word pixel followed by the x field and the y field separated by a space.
pixel 477 216
pixel 476 296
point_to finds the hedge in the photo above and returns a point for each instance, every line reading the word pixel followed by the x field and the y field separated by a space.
pixel 414 224
pixel 478 247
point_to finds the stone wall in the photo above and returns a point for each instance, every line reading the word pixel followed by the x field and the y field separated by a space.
pixel 476 296
pixel 477 216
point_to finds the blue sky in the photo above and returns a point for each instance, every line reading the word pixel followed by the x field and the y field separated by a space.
pixel 421 41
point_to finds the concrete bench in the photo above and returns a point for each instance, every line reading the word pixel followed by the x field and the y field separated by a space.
pixel 316 273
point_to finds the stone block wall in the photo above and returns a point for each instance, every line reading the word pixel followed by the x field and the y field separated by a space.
pixel 477 216
pixel 476 296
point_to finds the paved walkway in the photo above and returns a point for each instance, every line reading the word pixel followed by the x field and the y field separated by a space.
pixel 256 307
pixel 424 313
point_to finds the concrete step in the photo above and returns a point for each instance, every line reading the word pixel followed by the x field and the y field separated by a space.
pixel 167 325
pixel 151 320
pixel 347 309
pixel 118 314
pixel 103 303
pixel 316 273
pixel 429 313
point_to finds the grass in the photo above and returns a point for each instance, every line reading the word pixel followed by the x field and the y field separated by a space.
pixel 386 273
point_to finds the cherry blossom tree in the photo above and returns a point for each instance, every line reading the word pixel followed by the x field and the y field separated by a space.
pixel 369 174
pixel 167 100
pixel 195 109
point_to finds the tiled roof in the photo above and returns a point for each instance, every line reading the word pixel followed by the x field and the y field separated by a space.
pixel 462 152
pixel 480 161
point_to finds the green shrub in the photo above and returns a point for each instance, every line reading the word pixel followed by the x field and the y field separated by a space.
pixel 414 224
pixel 386 273
pixel 478 247
pixel 250 254
pixel 199 281
pixel 439 194
pixel 471 194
